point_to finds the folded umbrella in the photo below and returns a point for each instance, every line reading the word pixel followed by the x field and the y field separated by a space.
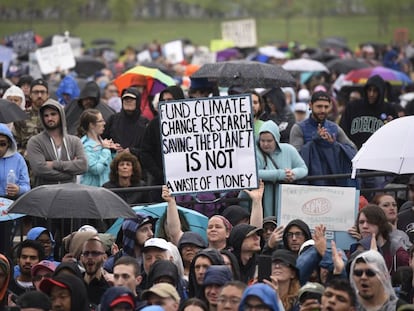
pixel 10 112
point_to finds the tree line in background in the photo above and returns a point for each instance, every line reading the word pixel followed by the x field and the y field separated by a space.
pixel 72 12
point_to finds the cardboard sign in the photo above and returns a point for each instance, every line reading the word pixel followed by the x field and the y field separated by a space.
pixel 241 32
pixel 75 43
pixel 334 207
pixel 173 51
pixel 55 58
pixel 208 144
pixel 22 42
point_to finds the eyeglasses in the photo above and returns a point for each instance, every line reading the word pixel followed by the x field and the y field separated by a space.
pixel 298 234
pixel 38 278
pixel 231 300
pixel 39 92
pixel 261 307
pixel 92 253
pixel 3 143
pixel 368 272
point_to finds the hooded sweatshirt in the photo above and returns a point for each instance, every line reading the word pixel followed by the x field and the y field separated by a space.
pixel 18 92
pixel 196 290
pixel 67 86
pixel 127 128
pixel 74 110
pixel 265 293
pixel 113 293
pixel 13 160
pixel 68 161
pixel 301 225
pixel 361 119
pixel 271 167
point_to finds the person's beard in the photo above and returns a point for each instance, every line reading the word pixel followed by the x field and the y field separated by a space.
pixel 52 127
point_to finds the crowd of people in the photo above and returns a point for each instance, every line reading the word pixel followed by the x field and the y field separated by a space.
pixel 102 136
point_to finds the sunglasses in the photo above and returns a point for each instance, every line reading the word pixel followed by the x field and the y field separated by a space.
pixel 368 272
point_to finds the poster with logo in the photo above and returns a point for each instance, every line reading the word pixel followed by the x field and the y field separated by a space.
pixel 335 207
pixel 208 144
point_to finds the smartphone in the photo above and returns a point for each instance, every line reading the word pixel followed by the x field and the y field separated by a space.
pixel 264 267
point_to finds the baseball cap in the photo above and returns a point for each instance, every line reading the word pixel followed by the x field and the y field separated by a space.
pixel 47 284
pixel 129 95
pixel 235 214
pixel 39 82
pixel 157 243
pixel 163 290
pixel 301 107
pixel 193 238
pixel 270 219
pixel 320 95
pixel 127 298
pixel 44 264
pixel 310 288
pixel 242 231
pixel 303 95
pixel 34 299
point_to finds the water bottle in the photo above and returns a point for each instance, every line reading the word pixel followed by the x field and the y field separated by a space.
pixel 11 177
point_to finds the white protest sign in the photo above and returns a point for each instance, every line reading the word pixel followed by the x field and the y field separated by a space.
pixel 75 43
pixel 173 51
pixel 241 32
pixel 55 57
pixel 144 56
pixel 334 207
pixel 201 58
pixel 208 144
pixel 6 56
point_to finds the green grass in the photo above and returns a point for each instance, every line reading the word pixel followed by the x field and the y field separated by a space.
pixel 356 29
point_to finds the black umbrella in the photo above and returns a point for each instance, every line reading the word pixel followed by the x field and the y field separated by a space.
pixel 248 74
pixel 103 41
pixel 87 65
pixel 71 201
pixel 345 65
pixel 10 112
pixel 333 42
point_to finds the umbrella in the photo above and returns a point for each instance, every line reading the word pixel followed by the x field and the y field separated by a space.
pixel 272 51
pixel 87 65
pixel 10 112
pixel 4 215
pixel 198 222
pixel 333 42
pixel 304 64
pixel 103 41
pixel 346 65
pixel 397 157
pixel 71 201
pixel 249 74
pixel 154 79
pixel 360 76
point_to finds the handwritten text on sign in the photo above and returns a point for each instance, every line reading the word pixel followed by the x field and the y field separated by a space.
pixel 208 144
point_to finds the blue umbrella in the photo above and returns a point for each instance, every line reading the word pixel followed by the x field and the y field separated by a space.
pixel 197 221
pixel 4 216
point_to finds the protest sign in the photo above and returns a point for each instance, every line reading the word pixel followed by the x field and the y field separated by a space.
pixel 22 42
pixel 6 55
pixel 241 32
pixel 208 144
pixel 55 58
pixel 173 51
pixel 334 207
pixel 75 43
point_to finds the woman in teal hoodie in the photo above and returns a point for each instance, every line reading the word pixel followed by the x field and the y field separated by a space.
pixel 276 162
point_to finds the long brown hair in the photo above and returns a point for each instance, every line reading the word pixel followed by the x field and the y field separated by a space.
pixel 87 117
pixel 125 157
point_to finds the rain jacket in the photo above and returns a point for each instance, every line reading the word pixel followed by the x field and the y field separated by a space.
pixel 68 86
pixel 74 110
pixel 99 161
pixel 285 156
pixel 361 119
pixel 265 293
pixel 376 262
pixel 41 148
pixel 127 129
pixel 12 160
